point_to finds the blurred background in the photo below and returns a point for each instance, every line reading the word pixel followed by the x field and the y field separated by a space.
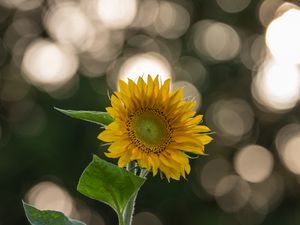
pixel 239 59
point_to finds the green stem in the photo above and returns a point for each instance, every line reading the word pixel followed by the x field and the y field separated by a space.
pixel 129 210
pixel 143 173
pixel 121 220
pixel 126 218
pixel 132 167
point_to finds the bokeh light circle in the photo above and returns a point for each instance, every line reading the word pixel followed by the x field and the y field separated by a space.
pixel 25 5
pixel 287 143
pixel 146 14
pixel 48 65
pixel 254 163
pixel 68 16
pixel 276 85
pixel 267 194
pixel 212 172
pixel 232 119
pixel 143 65
pixel 49 196
pixel 172 20
pixel 190 69
pixel 283 35
pixel 215 40
pixel 117 14
pixel 146 218
pixel 232 193
pixel 267 10
pixel 233 6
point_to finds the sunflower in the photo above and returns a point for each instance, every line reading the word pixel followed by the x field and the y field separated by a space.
pixel 155 127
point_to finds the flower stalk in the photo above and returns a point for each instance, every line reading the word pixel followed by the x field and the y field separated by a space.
pixel 129 210
pixel 149 128
pixel 126 218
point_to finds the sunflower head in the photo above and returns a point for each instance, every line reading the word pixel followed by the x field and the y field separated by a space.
pixel 155 127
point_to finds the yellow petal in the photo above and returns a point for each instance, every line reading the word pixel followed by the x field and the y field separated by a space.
pixel 156 86
pixel 150 86
pixel 168 161
pixel 117 104
pixel 107 136
pixel 178 156
pixel 196 120
pixel 141 84
pixel 123 86
pixel 187 168
pixel 119 146
pixel 124 160
pixel 165 89
pixel 200 129
pixel 155 164
pixel 115 114
pixel 111 155
pixel 205 139
pixel 112 132
pixel 112 112
pixel 186 139
pixel 196 149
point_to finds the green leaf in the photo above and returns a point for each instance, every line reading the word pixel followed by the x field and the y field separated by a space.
pixel 108 183
pixel 102 118
pixel 47 217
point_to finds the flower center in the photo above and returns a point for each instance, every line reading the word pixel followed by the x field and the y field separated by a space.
pixel 149 130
